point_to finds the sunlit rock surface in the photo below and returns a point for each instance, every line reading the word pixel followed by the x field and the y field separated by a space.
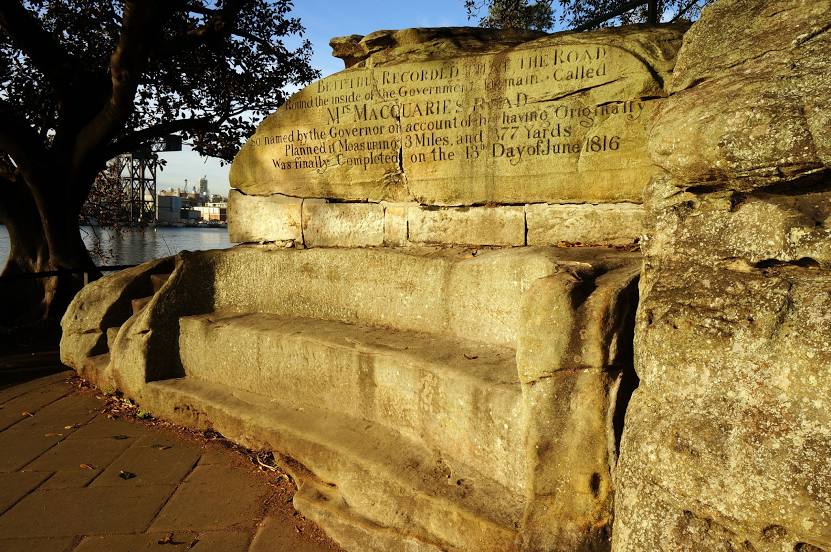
pixel 727 442
pixel 422 397
pixel 418 339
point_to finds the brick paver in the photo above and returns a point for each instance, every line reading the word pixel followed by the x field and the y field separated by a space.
pixel 150 465
pixel 16 485
pixel 74 480
pixel 21 447
pixel 85 511
pixel 19 408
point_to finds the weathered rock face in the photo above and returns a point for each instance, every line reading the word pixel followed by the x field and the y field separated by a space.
pixel 727 442
pixel 448 118
pixel 88 326
pixel 757 109
pixel 434 398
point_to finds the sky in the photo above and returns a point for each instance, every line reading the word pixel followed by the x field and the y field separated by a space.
pixel 323 20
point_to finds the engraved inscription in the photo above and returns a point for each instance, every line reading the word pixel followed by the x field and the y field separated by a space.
pixel 540 115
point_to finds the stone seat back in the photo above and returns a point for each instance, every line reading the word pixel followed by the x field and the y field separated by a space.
pixel 454 292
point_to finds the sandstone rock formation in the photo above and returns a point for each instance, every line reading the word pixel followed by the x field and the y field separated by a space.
pixel 402 329
pixel 727 443
pixel 424 399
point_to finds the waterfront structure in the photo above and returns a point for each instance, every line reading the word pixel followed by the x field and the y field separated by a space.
pixel 182 207
pixel 168 208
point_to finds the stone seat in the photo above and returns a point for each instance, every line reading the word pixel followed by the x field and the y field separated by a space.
pixel 458 396
pixel 423 398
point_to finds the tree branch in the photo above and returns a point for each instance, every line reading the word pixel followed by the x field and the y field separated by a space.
pixel 684 10
pixel 142 22
pixel 135 139
pixel 7 168
pixel 39 45
pixel 218 24
pixel 17 139
pixel 602 18
pixel 222 22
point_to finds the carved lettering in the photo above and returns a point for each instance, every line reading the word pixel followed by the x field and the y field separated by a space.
pixel 546 112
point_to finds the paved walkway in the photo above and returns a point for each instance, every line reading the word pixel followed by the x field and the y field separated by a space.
pixel 73 476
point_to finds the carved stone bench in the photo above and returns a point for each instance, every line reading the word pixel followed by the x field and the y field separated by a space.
pixel 425 399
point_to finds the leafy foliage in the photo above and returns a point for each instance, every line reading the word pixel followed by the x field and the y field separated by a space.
pixel 211 70
pixel 82 81
pixel 577 14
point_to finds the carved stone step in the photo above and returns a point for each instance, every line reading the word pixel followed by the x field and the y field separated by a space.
pixel 390 485
pixel 427 399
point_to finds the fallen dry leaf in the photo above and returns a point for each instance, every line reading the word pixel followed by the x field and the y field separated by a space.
pixel 26 413
pixel 87 467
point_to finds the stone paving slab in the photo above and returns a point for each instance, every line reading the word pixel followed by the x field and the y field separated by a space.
pixel 69 455
pixel 212 457
pixel 279 535
pixel 63 487
pixel 55 544
pixel 61 416
pixel 103 428
pixel 214 541
pixel 14 486
pixel 15 390
pixel 85 511
pixel 197 504
pixel 150 465
pixel 19 408
pixel 76 479
pixel 22 447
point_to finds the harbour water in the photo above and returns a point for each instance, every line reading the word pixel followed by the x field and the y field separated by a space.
pixel 137 246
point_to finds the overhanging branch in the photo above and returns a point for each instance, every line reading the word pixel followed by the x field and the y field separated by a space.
pixel 135 139
pixel 40 46
pixel 218 24
pixel 603 17
pixel 683 11
pixel 142 23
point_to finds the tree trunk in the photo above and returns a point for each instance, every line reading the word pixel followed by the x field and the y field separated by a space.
pixel 652 12
pixel 45 236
